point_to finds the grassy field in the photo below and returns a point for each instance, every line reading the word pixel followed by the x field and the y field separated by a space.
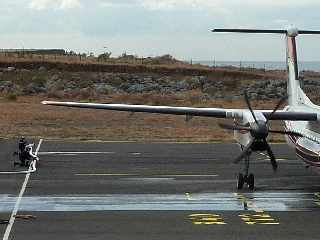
pixel 28 117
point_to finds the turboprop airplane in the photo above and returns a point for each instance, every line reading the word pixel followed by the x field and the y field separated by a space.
pixel 251 127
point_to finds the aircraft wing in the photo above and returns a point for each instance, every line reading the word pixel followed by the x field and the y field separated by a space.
pixel 189 111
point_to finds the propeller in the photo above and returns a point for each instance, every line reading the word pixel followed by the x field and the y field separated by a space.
pixel 259 131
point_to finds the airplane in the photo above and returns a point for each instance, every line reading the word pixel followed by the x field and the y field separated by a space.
pixel 251 127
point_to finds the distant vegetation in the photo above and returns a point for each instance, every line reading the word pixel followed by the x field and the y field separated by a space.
pixel 71 56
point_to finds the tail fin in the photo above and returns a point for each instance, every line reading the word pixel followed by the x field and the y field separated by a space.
pixel 296 95
pixel 293 84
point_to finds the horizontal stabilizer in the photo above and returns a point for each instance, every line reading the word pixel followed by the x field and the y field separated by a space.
pixel 308 32
pixel 290 31
pixel 235 30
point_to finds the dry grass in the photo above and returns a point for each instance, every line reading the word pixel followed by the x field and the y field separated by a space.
pixel 91 64
pixel 28 117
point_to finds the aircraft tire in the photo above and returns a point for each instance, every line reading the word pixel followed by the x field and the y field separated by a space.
pixel 240 181
pixel 250 181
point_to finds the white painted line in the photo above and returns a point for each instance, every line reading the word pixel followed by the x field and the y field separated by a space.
pixel 158 175
pixel 268 159
pixel 136 154
pixel 105 174
pixel 73 153
pixel 19 172
pixel 191 175
pixel 17 205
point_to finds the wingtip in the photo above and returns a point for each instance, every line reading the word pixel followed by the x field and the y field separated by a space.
pixel 45 102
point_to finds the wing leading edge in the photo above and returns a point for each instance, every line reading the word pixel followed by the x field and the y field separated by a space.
pixel 203 112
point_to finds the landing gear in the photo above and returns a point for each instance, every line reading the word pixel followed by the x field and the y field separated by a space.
pixel 246 177
pixel 240 181
pixel 250 181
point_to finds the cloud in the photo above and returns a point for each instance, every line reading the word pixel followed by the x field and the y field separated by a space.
pixel 49 4
pixel 68 4
pixel 209 4
pixel 146 27
pixel 39 4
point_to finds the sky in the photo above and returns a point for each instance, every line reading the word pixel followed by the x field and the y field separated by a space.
pixel 157 27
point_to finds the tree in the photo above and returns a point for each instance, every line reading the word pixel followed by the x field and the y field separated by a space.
pixel 104 56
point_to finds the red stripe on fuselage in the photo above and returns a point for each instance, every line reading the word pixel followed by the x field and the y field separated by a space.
pixel 300 150
pixel 292 53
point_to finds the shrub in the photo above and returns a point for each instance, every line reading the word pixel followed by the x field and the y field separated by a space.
pixel 11 96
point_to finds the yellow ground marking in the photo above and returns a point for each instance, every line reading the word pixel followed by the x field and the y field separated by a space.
pixel 206 219
pixel 260 217
pixel 271 223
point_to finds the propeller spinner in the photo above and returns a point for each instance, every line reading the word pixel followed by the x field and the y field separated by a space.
pixel 259 131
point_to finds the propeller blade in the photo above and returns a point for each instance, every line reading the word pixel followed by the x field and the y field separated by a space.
pixel 286 133
pixel 271 156
pixel 234 127
pixel 282 100
pixel 244 153
pixel 246 97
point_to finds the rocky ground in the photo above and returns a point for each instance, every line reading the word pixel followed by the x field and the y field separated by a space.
pixel 86 85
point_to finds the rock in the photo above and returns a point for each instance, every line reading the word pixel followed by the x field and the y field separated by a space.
pixel 218 95
pixel 42 69
pixel 236 97
pixel 181 85
pixel 54 77
pixel 147 79
pixel 205 97
pixel 103 88
pixel 210 90
pixel 6 86
pixel 253 95
pixel 10 69
pixel 70 85
pixel 166 90
pixel 152 87
pixel 271 95
pixel 34 88
pixel 115 81
pixel 195 82
pixel 136 88
pixel 54 85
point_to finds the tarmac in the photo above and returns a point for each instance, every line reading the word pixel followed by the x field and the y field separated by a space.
pixel 155 191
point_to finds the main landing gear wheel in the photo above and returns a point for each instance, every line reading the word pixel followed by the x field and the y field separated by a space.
pixel 249 180
pixel 241 181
